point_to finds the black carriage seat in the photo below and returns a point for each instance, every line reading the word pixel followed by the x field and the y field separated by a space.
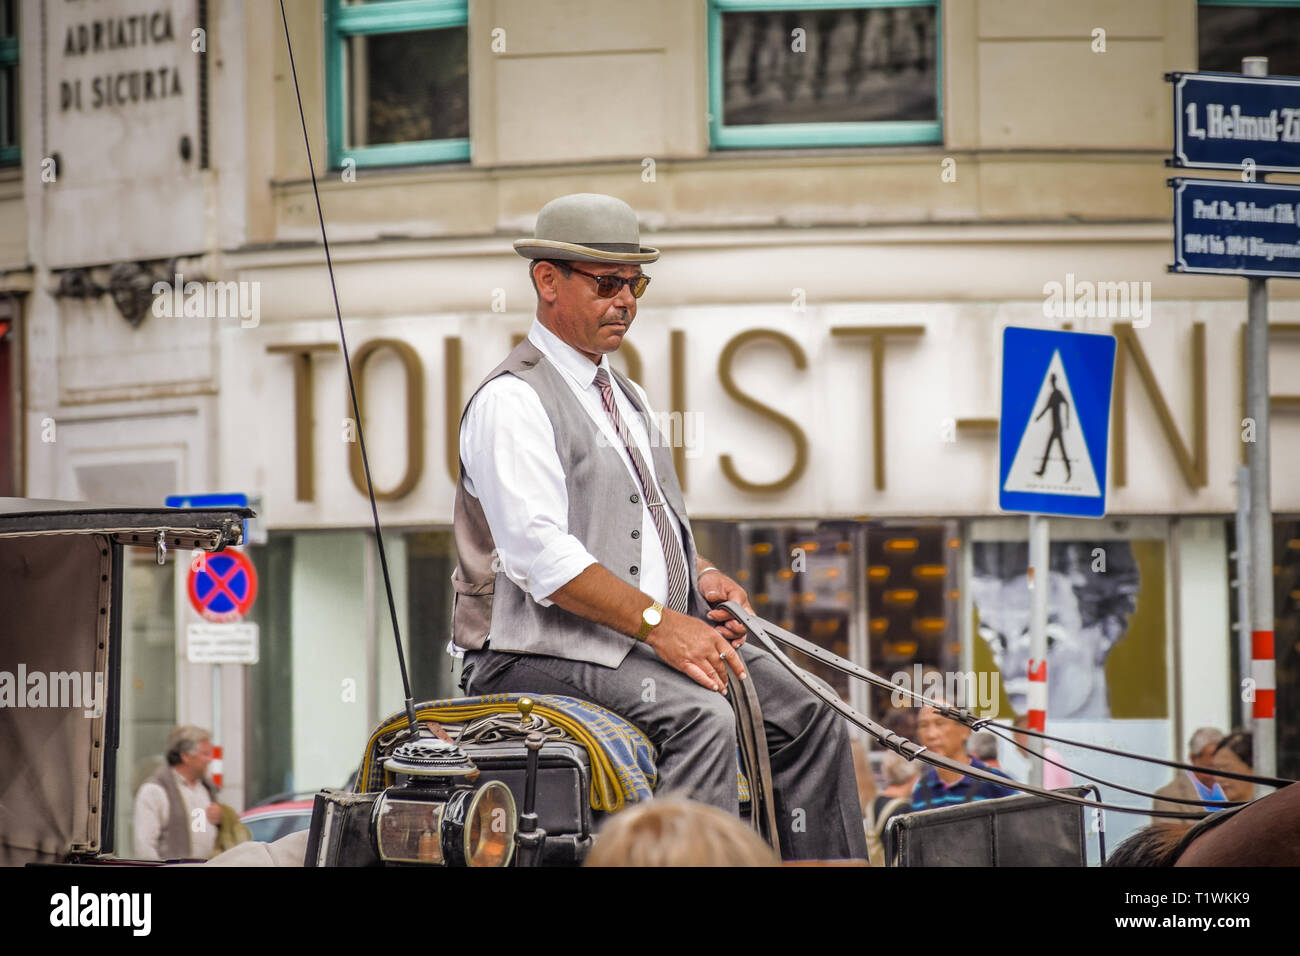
pixel 594 763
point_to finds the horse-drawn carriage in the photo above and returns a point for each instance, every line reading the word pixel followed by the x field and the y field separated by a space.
pixel 497 780
pixel 480 770
pixel 487 780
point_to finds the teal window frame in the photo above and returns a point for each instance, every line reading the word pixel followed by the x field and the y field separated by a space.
pixel 10 155
pixel 344 20
pixel 785 135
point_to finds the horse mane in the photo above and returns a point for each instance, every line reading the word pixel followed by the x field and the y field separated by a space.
pixel 1154 845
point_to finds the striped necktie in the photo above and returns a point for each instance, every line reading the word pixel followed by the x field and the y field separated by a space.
pixel 678 581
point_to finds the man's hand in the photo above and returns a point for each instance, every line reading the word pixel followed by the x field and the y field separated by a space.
pixel 214 813
pixel 685 643
pixel 716 587
pixel 696 649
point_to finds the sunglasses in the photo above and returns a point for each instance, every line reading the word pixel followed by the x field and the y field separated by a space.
pixel 609 286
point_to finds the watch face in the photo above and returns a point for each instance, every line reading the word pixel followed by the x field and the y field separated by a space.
pixel 651 616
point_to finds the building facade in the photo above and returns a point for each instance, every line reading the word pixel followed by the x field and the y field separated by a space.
pixel 852 200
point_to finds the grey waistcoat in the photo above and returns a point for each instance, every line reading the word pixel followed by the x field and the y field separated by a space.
pixel 604 511
pixel 175 841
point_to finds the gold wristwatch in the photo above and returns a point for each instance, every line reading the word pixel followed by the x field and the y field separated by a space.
pixel 650 619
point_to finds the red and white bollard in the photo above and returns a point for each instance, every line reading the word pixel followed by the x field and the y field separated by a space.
pixel 1037 695
pixel 1262 671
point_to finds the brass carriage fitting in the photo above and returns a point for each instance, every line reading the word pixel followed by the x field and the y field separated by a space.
pixel 525 705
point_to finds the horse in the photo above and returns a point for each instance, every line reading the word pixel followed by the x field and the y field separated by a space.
pixel 1264 832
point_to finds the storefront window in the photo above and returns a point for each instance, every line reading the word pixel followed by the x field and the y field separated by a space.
pixel 883 595
pixel 913 588
pixel 1104 659
pixel 327 668
pixel 1109 646
pixel 329 673
pixel 801 578
pixel 148 681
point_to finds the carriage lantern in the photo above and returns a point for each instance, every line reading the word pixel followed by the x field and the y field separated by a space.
pixel 437 816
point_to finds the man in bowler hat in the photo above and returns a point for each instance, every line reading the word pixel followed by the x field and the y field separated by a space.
pixel 578 573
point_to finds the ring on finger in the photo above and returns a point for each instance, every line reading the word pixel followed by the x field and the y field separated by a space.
pixel 723 655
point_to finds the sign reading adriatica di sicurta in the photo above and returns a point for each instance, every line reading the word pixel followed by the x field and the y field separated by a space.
pixel 122 134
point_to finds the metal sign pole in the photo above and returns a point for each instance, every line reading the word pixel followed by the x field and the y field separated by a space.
pixel 1261 531
pixel 218 737
pixel 1261 508
pixel 1243 582
pixel 1039 585
pixel 1070 377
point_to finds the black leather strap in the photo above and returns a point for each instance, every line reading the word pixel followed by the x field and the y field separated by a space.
pixel 913 751
pixel 753 753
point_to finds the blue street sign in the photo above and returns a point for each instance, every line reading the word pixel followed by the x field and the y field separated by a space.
pixel 234 500
pixel 1221 120
pixel 1054 433
pixel 1224 227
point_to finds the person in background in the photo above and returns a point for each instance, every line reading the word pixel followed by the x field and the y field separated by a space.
pixel 176 811
pixel 1189 784
pixel 941 788
pixel 900 775
pixel 984 746
pixel 674 831
pixel 1235 753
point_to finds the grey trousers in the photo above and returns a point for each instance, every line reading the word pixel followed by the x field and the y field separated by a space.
pixel 694 732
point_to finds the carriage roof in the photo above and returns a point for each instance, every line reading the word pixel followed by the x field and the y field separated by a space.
pixel 60 620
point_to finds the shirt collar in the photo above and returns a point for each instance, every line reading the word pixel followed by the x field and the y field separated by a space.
pixel 960 782
pixel 565 357
pixel 1206 793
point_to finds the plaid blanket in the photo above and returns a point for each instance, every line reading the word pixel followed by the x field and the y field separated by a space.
pixel 621 756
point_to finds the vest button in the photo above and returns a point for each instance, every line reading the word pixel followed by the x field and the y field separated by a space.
pixel 633 569
pixel 634 499
pixel 636 534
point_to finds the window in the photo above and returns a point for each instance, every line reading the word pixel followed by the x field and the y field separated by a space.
pixel 1228 30
pixel 397 81
pixel 824 73
pixel 9 83
pixel 327 673
pixel 883 594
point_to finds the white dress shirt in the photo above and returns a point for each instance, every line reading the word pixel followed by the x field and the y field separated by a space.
pixel 152 813
pixel 507 444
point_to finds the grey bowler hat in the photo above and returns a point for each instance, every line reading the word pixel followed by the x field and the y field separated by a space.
pixel 588 227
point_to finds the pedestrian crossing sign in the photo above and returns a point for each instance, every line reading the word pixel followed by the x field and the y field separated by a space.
pixel 1055 427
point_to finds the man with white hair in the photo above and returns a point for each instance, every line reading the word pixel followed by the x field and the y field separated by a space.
pixel 1193 785
pixel 176 813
